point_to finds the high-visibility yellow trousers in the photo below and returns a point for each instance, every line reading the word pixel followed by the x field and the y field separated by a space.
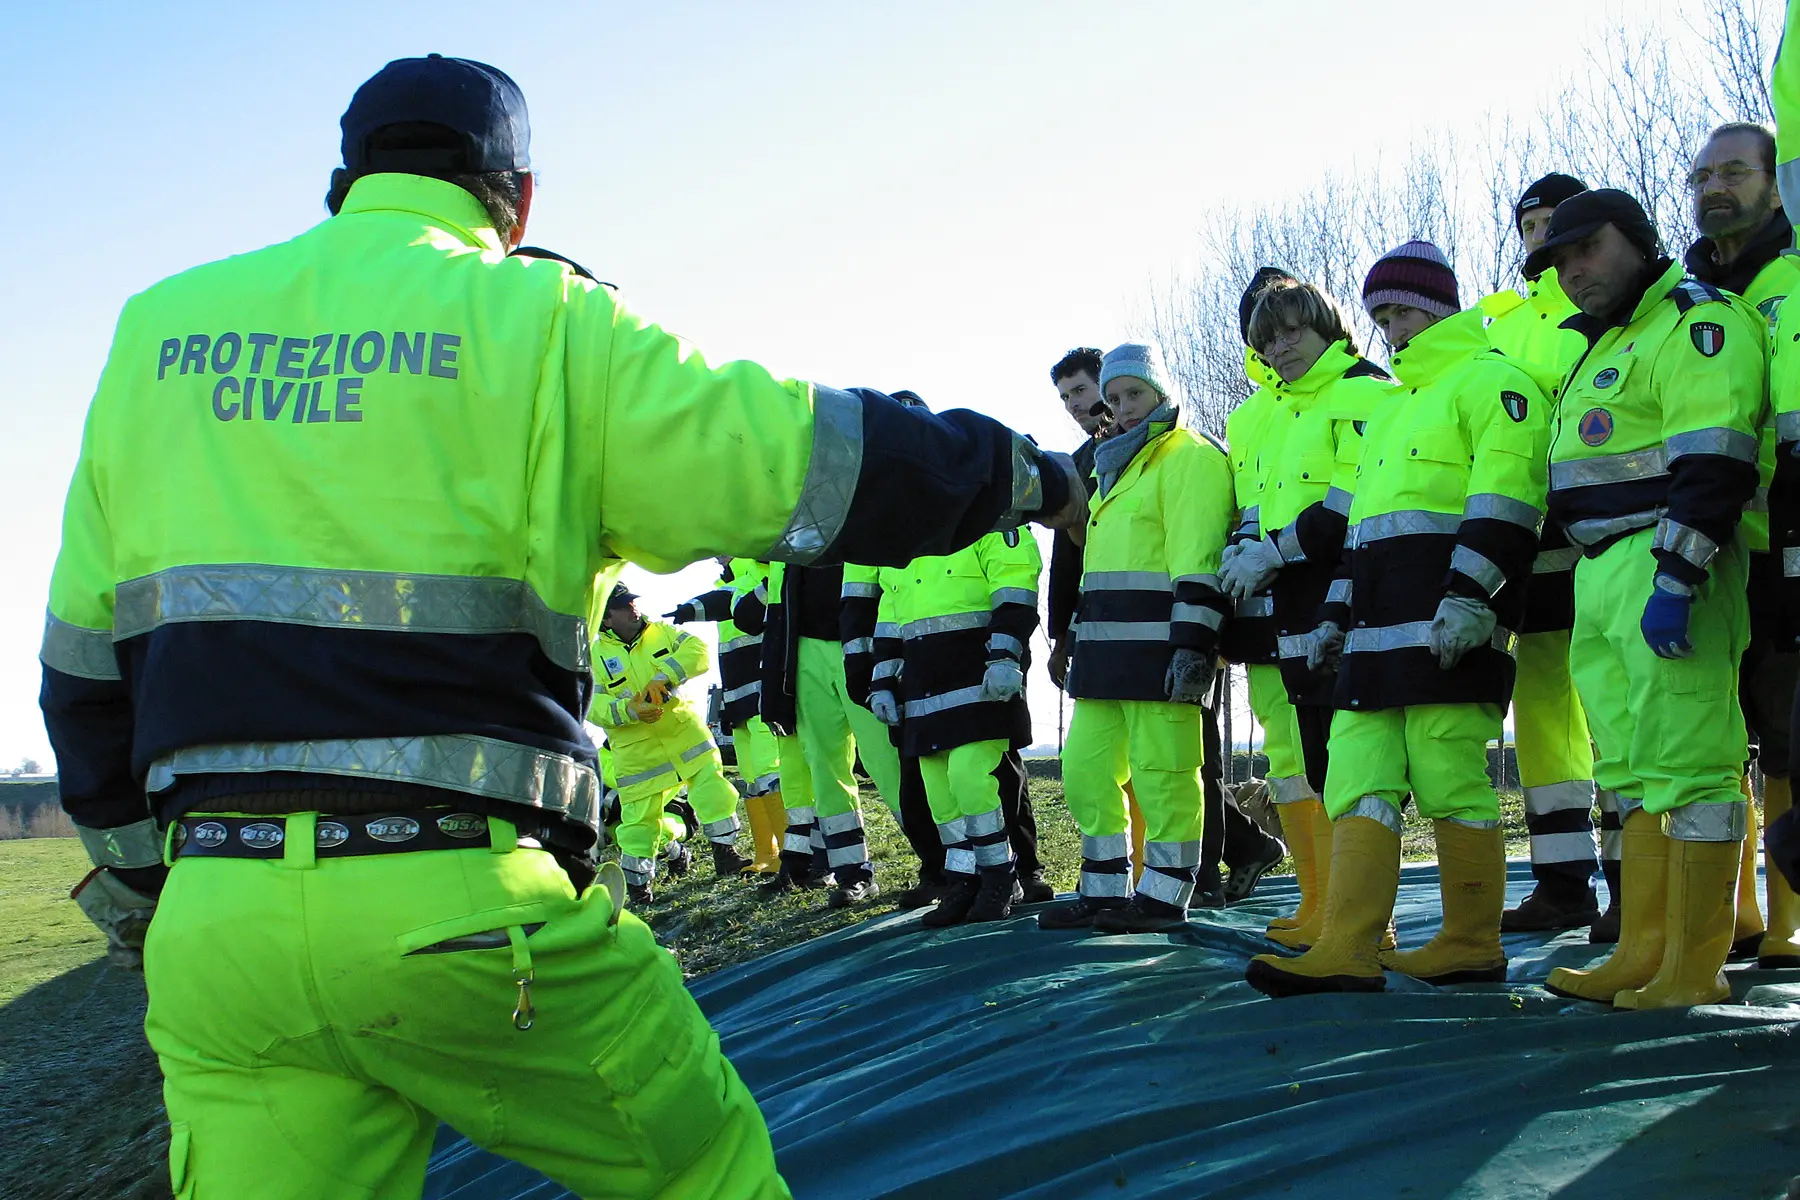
pixel 832 732
pixel 1556 764
pixel 758 757
pixel 640 833
pixel 965 803
pixel 1281 735
pixel 1436 752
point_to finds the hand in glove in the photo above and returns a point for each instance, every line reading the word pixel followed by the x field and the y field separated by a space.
pixel 1189 677
pixel 1058 665
pixel 119 911
pixel 1002 681
pixel 1324 647
pixel 645 710
pixel 1252 568
pixel 885 707
pixel 1665 622
pixel 1460 626
pixel 681 614
pixel 657 692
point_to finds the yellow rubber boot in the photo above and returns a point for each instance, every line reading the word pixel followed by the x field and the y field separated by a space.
pixel 1303 935
pixel 1746 937
pixel 1297 831
pixel 768 821
pixel 1644 892
pixel 1696 931
pixel 1472 884
pixel 1781 944
pixel 1365 875
pixel 1137 833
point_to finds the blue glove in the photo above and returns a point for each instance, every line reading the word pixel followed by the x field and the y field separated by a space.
pixel 1665 622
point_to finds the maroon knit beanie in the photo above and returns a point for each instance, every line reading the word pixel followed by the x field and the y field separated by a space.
pixel 1415 274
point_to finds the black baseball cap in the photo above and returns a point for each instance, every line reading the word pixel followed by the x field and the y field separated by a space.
pixel 1578 216
pixel 478 102
pixel 621 596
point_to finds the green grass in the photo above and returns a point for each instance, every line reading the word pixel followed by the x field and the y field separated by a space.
pixel 42 933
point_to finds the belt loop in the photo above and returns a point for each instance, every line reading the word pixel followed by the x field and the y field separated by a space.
pixel 503 836
pixel 169 842
pixel 300 849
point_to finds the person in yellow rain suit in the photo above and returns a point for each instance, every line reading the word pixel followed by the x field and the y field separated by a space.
pixel 659 741
pixel 1444 527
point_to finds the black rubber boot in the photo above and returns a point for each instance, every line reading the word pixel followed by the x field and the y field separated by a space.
pixel 1605 929
pixel 953 905
pixel 1542 911
pixel 1078 913
pixel 727 862
pixel 1141 915
pixel 999 889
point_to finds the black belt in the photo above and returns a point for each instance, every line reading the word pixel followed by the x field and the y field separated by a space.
pixel 202 835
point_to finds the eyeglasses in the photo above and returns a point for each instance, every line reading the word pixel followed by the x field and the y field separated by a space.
pixel 1730 175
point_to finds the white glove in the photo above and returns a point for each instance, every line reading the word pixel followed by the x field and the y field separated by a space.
pixel 120 911
pixel 885 707
pixel 1252 568
pixel 1002 681
pixel 1460 626
pixel 1232 550
pixel 1324 646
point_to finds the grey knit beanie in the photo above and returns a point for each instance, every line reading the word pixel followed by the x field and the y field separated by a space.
pixel 1138 361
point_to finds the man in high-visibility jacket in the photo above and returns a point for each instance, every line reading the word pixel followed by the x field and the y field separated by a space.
pixel 1443 530
pixel 740 680
pixel 660 743
pixel 1323 391
pixel 1652 458
pixel 950 656
pixel 318 632
pixel 1146 641
pixel 1555 755
pixel 1747 247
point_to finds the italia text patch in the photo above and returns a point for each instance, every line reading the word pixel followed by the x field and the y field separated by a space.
pixel 1709 337
pixel 1514 404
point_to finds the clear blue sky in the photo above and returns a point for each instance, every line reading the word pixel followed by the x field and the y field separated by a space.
pixel 935 195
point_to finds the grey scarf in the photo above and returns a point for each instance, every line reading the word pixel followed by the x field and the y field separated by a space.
pixel 1116 453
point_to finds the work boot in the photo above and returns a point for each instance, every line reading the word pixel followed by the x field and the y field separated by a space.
pixel 954 903
pixel 1541 911
pixel 1642 899
pixel 768 818
pixel 1359 904
pixel 999 890
pixel 855 892
pixel 639 894
pixel 1303 935
pixel 1035 889
pixel 1781 944
pixel 1605 929
pixel 1077 913
pixel 1207 897
pixel 795 876
pixel 1747 934
pixel 1141 914
pixel 1240 881
pixel 1297 831
pixel 678 858
pixel 924 893
pixel 727 861
pixel 1472 887
pixel 1696 930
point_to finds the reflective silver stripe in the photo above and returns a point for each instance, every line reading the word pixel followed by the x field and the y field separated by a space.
pixel 1606 799
pixel 637 870
pixel 1337 500
pixel 139 844
pixel 1650 463
pixel 1027 484
pixel 1612 845
pixel 1727 822
pixel 1563 558
pixel 83 653
pixel 1339 592
pixel 842 822
pixel 1206 581
pixel 1006 643
pixel 700 751
pixel 1374 808
pixel 993 854
pixel 1564 848
pixel 1294 645
pixel 805 815
pixel 1790 561
pixel 1728 443
pixel 1125 581
pixel 676 672
pixel 1104 884
pixel 1172 854
pixel 1758 501
pixel 1251 515
pixel 1105 848
pixel 741 643
pixel 357 599
pixel 1024 596
pixel 761 592
pixel 762 785
pixel 626 781
pixel 748 689
pixel 887 668
pixel 1595 530
pixel 860 645
pixel 615 708
pixel 1166 888
pixel 1405 523
pixel 1255 606
pixel 1576 795
pixel 1411 635
pixel 1787 426
pixel 1479 567
pixel 960 861
pixel 1469 824
pixel 1627 806
pixel 1197 614
pixel 1291 789
pixel 1492 506
pixel 985 824
pixel 831 476
pixel 1690 544
pixel 478 766
pixel 796 843
pixel 860 591
pixel 887 629
pixel 724 830
pixel 1287 544
pixel 953 833
pixel 1122 631
pixel 948 623
pixel 946 700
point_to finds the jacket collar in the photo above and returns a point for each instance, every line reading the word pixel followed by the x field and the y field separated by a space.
pixel 1659 279
pixel 441 204
pixel 1327 368
pixel 1116 454
pixel 1737 275
pixel 1440 347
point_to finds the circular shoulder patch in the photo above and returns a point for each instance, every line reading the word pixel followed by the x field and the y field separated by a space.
pixel 1606 379
pixel 1596 426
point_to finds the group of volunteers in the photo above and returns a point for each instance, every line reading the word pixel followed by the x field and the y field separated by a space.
pixel 1560 498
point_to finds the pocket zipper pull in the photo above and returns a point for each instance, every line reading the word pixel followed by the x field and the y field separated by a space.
pixel 524 1012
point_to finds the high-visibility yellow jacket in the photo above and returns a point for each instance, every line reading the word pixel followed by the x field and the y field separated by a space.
pixel 740 653
pixel 1659 425
pixel 1249 635
pixel 1150 575
pixel 646 752
pixel 343 505
pixel 1784 97
pixel 941 621
pixel 859 611
pixel 1449 497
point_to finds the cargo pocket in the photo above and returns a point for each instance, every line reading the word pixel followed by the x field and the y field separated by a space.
pixel 1170 735
pixel 1439 466
pixel 180 1147
pixel 667 1078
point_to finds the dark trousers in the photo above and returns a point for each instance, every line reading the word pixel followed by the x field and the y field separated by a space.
pixel 1015 806
pixel 1315 735
pixel 1225 832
